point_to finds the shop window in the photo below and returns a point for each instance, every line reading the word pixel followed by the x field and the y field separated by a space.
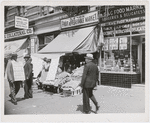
pixel 116 55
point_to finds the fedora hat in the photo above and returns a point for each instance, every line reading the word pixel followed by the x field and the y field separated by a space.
pixel 45 59
pixel 13 54
pixel 27 56
pixel 89 56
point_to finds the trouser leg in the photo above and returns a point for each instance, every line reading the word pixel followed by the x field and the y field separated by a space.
pixel 26 90
pixel 12 91
pixel 30 92
pixel 17 86
pixel 86 105
pixel 94 100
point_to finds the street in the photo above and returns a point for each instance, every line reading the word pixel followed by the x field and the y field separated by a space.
pixel 111 100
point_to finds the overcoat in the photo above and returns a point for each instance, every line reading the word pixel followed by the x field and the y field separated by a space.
pixel 90 75
pixel 28 70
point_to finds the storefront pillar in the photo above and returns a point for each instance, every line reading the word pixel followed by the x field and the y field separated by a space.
pixel 140 58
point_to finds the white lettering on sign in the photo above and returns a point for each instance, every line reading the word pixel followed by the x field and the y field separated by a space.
pixel 21 22
pixel 19 33
pixel 80 20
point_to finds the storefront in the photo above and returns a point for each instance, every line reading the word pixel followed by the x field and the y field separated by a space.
pixel 123 54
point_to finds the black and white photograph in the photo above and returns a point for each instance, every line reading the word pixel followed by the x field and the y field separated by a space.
pixel 74 59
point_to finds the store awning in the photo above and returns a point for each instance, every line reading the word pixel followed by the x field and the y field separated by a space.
pixel 15 46
pixel 49 56
pixel 72 41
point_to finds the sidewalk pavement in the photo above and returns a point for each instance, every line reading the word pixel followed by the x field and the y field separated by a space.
pixel 111 100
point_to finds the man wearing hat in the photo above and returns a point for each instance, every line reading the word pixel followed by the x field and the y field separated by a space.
pixel 88 82
pixel 28 77
pixel 14 85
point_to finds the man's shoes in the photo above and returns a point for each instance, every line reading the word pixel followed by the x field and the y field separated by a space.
pixel 10 95
pixel 87 112
pixel 97 108
pixel 15 103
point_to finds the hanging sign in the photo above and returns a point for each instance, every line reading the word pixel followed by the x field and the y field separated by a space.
pixel 19 33
pixel 113 44
pixel 80 20
pixel 123 43
pixel 18 71
pixel 53 69
pixel 21 22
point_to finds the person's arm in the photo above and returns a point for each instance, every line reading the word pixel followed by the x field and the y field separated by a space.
pixel 84 75
pixel 29 72
pixel 10 72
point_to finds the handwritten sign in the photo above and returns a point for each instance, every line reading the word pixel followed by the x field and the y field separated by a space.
pixel 53 69
pixel 18 71
pixel 123 43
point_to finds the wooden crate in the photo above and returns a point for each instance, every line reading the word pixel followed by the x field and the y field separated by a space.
pixel 77 91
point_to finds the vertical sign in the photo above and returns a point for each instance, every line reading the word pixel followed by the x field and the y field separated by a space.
pixel 53 69
pixel 21 22
pixel 18 71
pixel 123 43
pixel 32 45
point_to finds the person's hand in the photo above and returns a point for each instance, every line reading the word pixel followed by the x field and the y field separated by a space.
pixel 11 81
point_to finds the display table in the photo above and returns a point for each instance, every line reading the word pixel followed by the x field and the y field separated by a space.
pixel 119 79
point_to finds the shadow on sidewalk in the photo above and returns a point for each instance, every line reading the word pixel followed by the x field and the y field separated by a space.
pixel 80 108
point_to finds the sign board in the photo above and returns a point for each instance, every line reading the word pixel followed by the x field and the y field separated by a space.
pixel 18 71
pixel 19 33
pixel 80 20
pixel 123 12
pixel 113 44
pixel 123 43
pixel 53 69
pixel 21 22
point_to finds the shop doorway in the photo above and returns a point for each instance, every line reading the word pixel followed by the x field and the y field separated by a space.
pixel 143 62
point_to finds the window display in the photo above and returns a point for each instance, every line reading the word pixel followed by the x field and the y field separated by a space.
pixel 116 55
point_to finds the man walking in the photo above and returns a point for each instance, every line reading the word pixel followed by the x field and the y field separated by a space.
pixel 28 78
pixel 14 85
pixel 88 82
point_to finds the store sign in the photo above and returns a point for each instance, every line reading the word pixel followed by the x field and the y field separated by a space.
pixel 124 12
pixel 19 33
pixel 21 22
pixel 123 43
pixel 80 20
pixel 53 69
pixel 113 44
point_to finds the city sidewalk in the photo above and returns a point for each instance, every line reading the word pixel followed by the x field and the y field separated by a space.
pixel 111 100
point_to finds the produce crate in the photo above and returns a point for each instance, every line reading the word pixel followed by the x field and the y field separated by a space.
pixel 71 92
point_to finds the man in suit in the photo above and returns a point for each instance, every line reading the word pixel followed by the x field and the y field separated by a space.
pixel 88 82
pixel 28 77
pixel 14 85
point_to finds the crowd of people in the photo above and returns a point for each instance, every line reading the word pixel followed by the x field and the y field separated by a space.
pixel 88 82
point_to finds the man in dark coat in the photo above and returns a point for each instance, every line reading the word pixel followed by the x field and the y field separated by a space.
pixel 28 77
pixel 88 82
pixel 14 85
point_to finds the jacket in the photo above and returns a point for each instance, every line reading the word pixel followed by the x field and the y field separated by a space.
pixel 28 70
pixel 90 75
pixel 10 72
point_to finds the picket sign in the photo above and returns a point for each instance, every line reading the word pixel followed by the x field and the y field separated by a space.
pixel 18 71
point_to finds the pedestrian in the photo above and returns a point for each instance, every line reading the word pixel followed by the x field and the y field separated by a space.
pixel 28 77
pixel 14 85
pixel 88 82
pixel 45 69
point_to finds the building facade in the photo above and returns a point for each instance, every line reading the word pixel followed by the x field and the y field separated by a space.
pixel 123 30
